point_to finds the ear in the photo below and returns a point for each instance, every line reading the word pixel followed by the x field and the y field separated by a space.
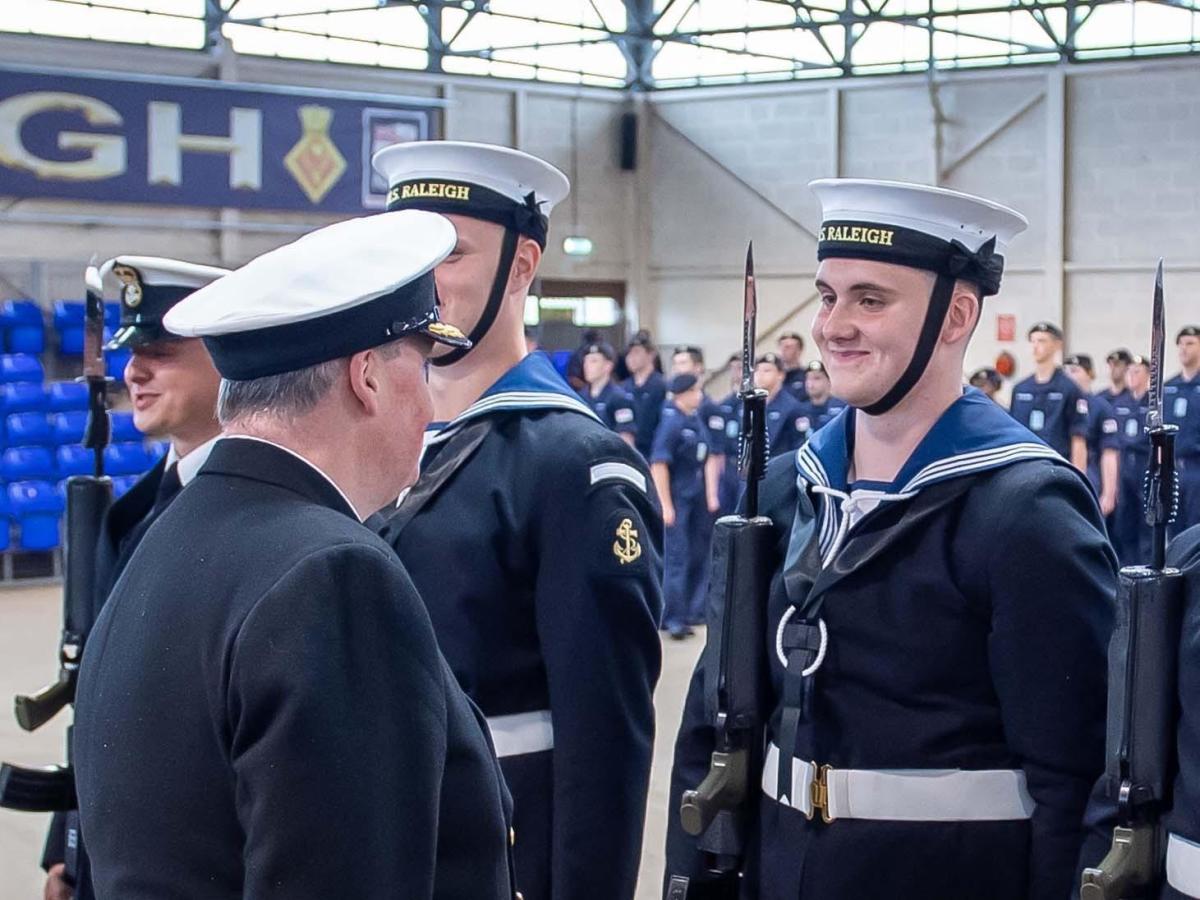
pixel 525 266
pixel 963 315
pixel 364 380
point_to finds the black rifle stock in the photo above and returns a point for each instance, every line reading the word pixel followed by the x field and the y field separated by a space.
pixel 736 675
pixel 1143 668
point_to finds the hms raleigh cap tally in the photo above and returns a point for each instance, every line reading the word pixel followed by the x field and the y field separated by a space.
pixel 952 235
pixel 290 309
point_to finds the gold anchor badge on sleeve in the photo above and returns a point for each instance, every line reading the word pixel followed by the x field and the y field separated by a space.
pixel 626 547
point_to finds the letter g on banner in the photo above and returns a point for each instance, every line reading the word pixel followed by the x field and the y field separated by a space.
pixel 106 151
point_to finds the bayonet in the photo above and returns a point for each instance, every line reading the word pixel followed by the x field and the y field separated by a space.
pixel 754 449
pixel 749 323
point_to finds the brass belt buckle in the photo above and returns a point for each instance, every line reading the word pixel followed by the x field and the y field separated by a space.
pixel 819 791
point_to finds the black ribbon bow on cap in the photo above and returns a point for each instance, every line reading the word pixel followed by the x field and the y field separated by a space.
pixel 983 265
pixel 529 215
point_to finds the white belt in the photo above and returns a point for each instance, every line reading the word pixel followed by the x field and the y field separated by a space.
pixel 904 795
pixel 1183 865
pixel 522 733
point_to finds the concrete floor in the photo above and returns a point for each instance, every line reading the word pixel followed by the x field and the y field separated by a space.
pixel 29 624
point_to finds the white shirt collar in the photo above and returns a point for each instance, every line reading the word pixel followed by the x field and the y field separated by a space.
pixel 309 463
pixel 191 464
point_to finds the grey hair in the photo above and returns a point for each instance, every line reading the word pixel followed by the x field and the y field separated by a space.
pixel 292 394
pixel 281 397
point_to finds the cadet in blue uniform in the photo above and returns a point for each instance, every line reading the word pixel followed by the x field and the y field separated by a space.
pixel 821 406
pixel 1103 434
pixel 947 718
pixel 1048 403
pixel 795 374
pixel 783 409
pixel 173 387
pixel 1181 400
pixel 1182 823
pixel 611 404
pixel 731 410
pixel 535 538
pixel 263 707
pixel 1131 537
pixel 1118 367
pixel 987 380
pixel 647 387
pixel 689 491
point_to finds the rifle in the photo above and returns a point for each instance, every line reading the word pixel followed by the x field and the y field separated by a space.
pixel 735 665
pixel 52 789
pixel 1143 665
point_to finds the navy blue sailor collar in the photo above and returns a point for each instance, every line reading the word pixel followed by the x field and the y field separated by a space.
pixel 973 435
pixel 531 384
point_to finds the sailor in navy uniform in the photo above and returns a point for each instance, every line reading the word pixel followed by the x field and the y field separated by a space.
pixel 648 388
pixel 1048 403
pixel 795 372
pixel 688 488
pixel 943 707
pixel 608 400
pixel 263 710
pixel 987 380
pixel 1103 434
pixel 535 537
pixel 173 387
pixel 1118 368
pixel 1182 823
pixel 784 413
pixel 821 405
pixel 731 410
pixel 1131 537
pixel 1181 407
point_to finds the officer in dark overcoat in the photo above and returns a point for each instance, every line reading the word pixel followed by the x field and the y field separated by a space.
pixel 263 709
pixel 173 388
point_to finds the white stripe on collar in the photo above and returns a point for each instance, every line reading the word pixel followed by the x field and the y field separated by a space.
pixel 308 462
pixel 833 531
pixel 506 400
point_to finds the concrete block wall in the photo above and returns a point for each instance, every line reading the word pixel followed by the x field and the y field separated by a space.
pixel 1103 164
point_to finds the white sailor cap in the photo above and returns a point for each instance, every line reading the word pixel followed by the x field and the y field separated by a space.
pixel 151 285
pixel 337 291
pixel 942 231
pixel 484 181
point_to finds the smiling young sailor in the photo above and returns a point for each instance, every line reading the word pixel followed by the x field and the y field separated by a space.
pixel 941 598
pixel 534 536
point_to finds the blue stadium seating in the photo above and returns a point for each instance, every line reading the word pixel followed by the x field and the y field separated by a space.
pixel 27 464
pixel 123 428
pixel 68 323
pixel 29 430
pixel 73 459
pixel 127 458
pixel 68 426
pixel 63 396
pixel 114 363
pixel 37 507
pixel 158 449
pixel 112 315
pixel 20 367
pixel 24 326
pixel 23 396
pixel 123 483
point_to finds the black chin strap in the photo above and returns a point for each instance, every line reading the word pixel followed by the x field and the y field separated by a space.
pixel 508 252
pixel 935 318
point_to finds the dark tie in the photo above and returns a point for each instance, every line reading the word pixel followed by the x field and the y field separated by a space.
pixel 167 489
